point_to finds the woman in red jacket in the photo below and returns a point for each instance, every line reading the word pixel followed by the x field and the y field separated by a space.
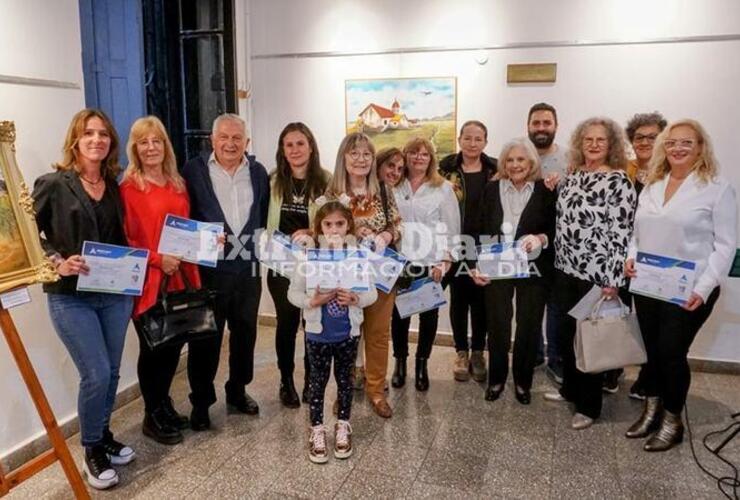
pixel 151 189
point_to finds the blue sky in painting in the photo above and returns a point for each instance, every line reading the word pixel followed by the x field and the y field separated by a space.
pixel 420 98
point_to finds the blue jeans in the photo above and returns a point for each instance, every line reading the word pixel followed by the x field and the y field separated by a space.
pixel 92 326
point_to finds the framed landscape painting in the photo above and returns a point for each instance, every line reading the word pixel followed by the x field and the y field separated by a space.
pixel 392 111
pixel 22 260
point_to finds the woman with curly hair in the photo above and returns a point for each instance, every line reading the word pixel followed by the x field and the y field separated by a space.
pixel 595 207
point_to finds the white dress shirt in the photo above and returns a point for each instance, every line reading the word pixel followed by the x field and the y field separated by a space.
pixel 234 193
pixel 699 223
pixel 430 222
pixel 513 201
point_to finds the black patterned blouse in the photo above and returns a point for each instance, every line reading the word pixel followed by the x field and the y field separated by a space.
pixel 594 225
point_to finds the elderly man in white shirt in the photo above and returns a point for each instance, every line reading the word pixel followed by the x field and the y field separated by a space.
pixel 431 226
pixel 686 211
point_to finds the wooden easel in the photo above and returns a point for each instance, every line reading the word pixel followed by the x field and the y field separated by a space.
pixel 59 450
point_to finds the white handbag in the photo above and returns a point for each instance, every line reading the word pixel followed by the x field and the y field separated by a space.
pixel 605 342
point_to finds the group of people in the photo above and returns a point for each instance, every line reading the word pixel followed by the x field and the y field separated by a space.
pixel 580 213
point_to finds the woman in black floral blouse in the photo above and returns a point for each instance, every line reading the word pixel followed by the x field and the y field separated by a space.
pixel 595 209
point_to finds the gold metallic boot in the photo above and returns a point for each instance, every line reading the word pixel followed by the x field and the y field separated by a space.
pixel 669 434
pixel 648 421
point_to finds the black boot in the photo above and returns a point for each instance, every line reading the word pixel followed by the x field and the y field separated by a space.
pixel 288 394
pixel 669 433
pixel 174 418
pixel 157 426
pixel 648 421
pixel 399 373
pixel 422 377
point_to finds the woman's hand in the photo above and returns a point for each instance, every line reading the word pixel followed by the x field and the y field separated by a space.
pixel 439 271
pixel 629 268
pixel 694 302
pixel 221 240
pixel 72 266
pixel 170 264
pixel 303 237
pixel 382 240
pixel 552 180
pixel 320 298
pixel 478 278
pixel 364 232
pixel 347 297
pixel 609 292
pixel 531 242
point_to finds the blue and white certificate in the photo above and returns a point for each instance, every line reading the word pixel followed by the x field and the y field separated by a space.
pixel 499 261
pixel 331 269
pixel 113 269
pixel 190 240
pixel 279 253
pixel 663 278
pixel 386 268
pixel 424 294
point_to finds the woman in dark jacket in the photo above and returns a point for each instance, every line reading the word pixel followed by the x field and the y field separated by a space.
pixel 517 208
pixel 468 171
pixel 79 202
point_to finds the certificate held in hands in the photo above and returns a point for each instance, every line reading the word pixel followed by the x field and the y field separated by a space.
pixel 386 268
pixel 663 278
pixel 331 269
pixel 424 294
pixel 113 269
pixel 503 261
pixel 190 240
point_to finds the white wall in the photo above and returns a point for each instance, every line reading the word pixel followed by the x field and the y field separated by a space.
pixel 697 79
pixel 41 39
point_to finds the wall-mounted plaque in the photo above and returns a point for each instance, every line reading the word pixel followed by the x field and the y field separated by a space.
pixel 531 73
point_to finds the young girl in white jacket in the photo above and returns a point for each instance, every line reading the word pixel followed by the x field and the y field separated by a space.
pixel 333 320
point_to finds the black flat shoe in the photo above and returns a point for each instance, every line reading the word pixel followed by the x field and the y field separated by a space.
pixel 242 404
pixel 288 395
pixel 524 397
pixel 175 419
pixel 199 419
pixel 492 394
pixel 157 427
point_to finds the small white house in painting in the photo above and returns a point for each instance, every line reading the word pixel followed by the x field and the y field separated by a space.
pixel 376 117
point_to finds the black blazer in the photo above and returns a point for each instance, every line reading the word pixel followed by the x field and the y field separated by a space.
pixel 66 217
pixel 538 217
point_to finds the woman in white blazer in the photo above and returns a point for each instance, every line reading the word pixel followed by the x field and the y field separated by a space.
pixel 685 211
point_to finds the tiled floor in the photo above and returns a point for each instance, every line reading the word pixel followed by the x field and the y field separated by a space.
pixel 446 443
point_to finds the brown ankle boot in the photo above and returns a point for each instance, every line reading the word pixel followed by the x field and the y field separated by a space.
pixel 669 433
pixel 648 421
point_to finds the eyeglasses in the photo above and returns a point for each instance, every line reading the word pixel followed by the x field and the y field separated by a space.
pixel 157 143
pixel 365 155
pixel 679 144
pixel 599 141
pixel 645 138
pixel 420 154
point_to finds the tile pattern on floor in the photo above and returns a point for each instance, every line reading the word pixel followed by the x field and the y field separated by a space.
pixel 445 443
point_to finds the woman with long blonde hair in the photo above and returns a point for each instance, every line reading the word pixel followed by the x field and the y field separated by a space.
pixel 151 189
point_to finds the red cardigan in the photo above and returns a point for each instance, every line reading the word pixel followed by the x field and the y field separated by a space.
pixel 144 214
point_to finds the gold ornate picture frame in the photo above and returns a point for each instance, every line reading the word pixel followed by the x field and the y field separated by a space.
pixel 22 259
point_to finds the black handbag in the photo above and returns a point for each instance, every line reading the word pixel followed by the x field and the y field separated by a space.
pixel 179 317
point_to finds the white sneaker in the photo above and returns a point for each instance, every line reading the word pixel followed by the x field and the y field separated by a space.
pixel 317 445
pixel 581 421
pixel 554 397
pixel 342 439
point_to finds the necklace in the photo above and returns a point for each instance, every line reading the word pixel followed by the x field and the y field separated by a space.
pixel 299 197
pixel 92 183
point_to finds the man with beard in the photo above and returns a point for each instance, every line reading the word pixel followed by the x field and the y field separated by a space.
pixel 542 124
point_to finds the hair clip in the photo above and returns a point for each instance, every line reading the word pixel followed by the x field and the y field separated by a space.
pixel 344 199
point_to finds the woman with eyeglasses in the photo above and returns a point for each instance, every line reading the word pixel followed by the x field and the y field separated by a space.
pixel 430 211
pixel 376 221
pixel 595 206
pixel 642 130
pixel 686 211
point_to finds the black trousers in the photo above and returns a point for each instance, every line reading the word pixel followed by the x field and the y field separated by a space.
pixel 427 327
pixel 668 331
pixel 237 304
pixel 582 389
pixel 320 355
pixel 531 296
pixel 155 369
pixel 288 321
pixel 466 296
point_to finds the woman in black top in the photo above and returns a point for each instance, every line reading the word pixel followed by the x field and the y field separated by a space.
pixel 517 208
pixel 469 171
pixel 295 184
pixel 80 202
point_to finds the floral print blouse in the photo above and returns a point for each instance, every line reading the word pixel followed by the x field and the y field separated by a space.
pixel 595 211
pixel 368 212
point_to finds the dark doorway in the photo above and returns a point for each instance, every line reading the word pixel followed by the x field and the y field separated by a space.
pixel 190 75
